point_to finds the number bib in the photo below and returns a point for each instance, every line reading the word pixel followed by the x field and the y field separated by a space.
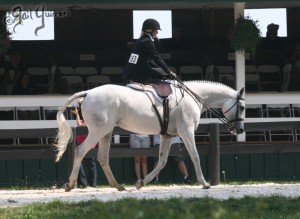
pixel 133 58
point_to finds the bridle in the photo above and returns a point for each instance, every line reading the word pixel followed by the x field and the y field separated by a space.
pixel 239 107
pixel 215 112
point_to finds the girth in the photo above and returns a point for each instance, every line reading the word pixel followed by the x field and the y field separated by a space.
pixel 163 90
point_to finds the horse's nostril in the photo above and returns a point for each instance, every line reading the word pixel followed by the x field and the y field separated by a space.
pixel 241 131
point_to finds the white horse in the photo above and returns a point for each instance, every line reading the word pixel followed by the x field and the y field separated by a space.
pixel 108 106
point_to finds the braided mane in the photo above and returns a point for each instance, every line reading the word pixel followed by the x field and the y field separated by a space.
pixel 208 82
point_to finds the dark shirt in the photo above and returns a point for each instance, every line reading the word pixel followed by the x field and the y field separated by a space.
pixel 141 62
pixel 276 43
pixel 12 74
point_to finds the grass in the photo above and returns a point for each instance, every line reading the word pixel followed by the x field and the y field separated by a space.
pixel 176 208
pixel 248 207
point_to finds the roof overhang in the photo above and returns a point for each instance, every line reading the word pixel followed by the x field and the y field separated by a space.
pixel 138 4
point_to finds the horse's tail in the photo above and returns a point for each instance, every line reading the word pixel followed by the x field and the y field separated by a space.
pixel 64 135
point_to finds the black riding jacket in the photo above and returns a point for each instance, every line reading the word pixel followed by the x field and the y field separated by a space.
pixel 140 65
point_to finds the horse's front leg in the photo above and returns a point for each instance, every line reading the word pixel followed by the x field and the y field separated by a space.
pixel 80 152
pixel 103 158
pixel 189 142
pixel 164 149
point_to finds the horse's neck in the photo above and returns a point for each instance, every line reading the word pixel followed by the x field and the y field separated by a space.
pixel 213 94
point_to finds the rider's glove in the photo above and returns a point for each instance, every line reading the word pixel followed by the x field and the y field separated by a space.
pixel 173 75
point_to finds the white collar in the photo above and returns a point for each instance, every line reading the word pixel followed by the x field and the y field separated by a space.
pixel 150 36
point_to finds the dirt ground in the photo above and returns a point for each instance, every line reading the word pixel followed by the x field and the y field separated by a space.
pixel 13 198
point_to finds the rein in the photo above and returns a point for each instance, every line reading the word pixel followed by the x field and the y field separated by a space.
pixel 215 112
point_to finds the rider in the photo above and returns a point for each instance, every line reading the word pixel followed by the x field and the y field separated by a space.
pixel 144 63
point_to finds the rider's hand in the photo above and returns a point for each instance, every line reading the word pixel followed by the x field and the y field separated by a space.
pixel 75 111
pixel 173 75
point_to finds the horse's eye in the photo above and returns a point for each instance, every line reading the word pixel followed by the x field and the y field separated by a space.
pixel 242 108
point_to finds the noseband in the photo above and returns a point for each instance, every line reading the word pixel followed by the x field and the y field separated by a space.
pixel 238 109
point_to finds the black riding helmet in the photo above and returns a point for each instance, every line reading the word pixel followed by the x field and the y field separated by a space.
pixel 151 24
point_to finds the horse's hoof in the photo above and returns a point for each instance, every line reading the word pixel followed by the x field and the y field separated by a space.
pixel 139 184
pixel 206 186
pixel 121 188
pixel 67 187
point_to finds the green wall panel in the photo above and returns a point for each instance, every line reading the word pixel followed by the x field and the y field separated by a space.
pixel 48 171
pixel 236 167
pixel 297 165
pixel 117 168
pixel 257 169
pixel 61 167
pixel 2 172
pixel 242 166
pixel 227 164
pixel 129 172
pixel 286 166
pixel 271 166
pixel 204 166
pixel 31 171
pixel 14 172
pixel 167 173
pixel 101 178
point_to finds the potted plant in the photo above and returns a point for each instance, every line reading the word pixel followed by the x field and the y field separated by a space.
pixel 245 36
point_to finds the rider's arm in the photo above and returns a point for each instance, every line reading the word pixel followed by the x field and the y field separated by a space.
pixel 156 57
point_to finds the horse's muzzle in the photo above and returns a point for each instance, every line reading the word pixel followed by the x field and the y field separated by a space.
pixel 237 128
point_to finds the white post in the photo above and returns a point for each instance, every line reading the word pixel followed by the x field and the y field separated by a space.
pixel 117 139
pixel 239 61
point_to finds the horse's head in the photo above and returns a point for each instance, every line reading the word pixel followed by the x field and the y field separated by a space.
pixel 233 110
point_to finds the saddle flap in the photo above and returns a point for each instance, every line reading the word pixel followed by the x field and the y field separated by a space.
pixel 163 90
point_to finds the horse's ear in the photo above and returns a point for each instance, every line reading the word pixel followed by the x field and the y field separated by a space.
pixel 242 91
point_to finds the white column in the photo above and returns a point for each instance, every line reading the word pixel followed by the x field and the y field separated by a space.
pixel 117 139
pixel 239 60
pixel 239 56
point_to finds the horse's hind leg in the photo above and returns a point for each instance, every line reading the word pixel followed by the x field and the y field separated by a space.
pixel 164 149
pixel 103 158
pixel 189 142
pixel 80 152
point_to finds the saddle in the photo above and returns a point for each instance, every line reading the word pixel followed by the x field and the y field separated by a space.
pixel 162 90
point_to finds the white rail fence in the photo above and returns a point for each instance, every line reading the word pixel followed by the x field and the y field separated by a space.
pixel 56 101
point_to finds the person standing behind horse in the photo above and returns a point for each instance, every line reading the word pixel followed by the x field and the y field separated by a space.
pixel 179 160
pixel 145 63
pixel 140 163
pixel 83 180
